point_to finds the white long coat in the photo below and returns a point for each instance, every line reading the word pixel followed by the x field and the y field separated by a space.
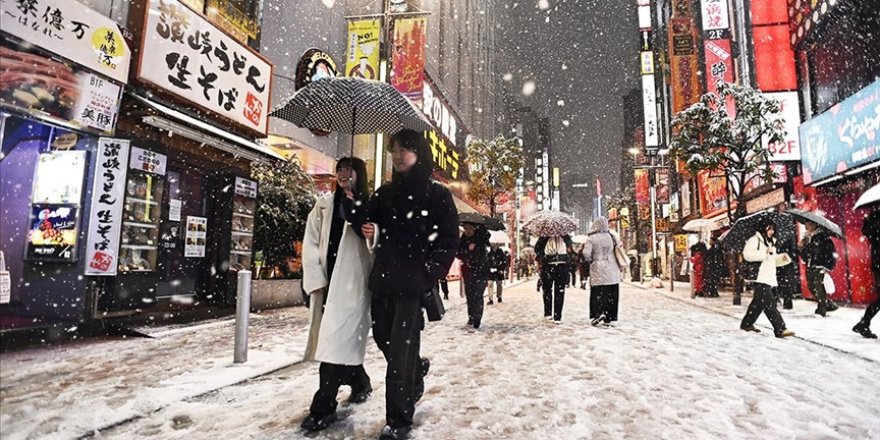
pixel 342 331
pixel 756 250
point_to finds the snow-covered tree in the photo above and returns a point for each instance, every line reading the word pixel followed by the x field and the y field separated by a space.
pixel 287 194
pixel 494 166
pixel 708 138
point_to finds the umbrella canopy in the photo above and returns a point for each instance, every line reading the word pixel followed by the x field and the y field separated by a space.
pixel 495 224
pixel 580 238
pixel 498 237
pixel 869 197
pixel 471 217
pixel 351 105
pixel 744 228
pixel 700 225
pixel 818 219
pixel 551 224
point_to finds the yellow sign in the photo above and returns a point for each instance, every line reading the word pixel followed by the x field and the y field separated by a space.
pixel 363 49
pixel 445 158
pixel 236 17
pixel 681 243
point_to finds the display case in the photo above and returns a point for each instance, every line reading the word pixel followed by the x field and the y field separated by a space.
pixel 235 233
pixel 242 240
pixel 141 214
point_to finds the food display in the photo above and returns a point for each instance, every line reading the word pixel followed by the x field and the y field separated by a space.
pixel 242 239
pixel 140 226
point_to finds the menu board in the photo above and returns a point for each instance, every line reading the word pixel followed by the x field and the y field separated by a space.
pixel 196 237
pixel 53 232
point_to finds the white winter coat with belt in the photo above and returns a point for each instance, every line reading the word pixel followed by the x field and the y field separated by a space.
pixel 757 250
pixel 599 251
pixel 343 329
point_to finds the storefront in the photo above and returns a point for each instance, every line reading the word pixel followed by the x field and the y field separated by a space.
pixel 60 93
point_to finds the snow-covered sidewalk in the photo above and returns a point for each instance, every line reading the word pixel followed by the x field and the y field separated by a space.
pixel 834 331
pixel 669 370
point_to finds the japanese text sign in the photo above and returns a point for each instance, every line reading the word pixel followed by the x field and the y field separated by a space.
pixel 69 29
pixel 714 14
pixel 105 219
pixel 185 54
pixel 790 147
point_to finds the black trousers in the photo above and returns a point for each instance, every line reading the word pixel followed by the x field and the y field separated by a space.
pixel 473 292
pixel 763 300
pixel 604 300
pixel 554 278
pixel 499 284
pixel 816 283
pixel 444 287
pixel 397 330
pixel 874 307
pixel 573 272
pixel 710 282
pixel 331 377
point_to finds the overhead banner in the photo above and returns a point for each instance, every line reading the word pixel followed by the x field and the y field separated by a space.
pixel 790 147
pixel 649 105
pixel 408 56
pixel 643 192
pixel 105 219
pixel 684 65
pixel 363 49
pixel 185 54
pixel 69 29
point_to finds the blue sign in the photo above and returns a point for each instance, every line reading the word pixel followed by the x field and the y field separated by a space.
pixel 844 137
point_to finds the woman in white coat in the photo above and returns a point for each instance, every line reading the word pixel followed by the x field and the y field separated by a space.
pixel 605 272
pixel 336 264
pixel 760 250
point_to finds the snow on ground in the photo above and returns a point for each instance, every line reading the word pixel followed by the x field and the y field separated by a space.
pixel 669 370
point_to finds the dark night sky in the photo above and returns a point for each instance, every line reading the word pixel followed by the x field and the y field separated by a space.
pixel 586 56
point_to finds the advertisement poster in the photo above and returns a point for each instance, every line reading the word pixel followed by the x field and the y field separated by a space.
pixel 643 193
pixel 105 219
pixel 362 60
pixel 408 56
pixel 59 178
pixel 53 233
pixel 713 193
pixel 844 137
pixel 196 236
pixel 662 186
pixel 185 54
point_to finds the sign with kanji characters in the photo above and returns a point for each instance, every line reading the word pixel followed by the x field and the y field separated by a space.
pixel 649 105
pixel 790 147
pixel 149 161
pixel 186 55
pixel 69 29
pixel 105 218
pixel 246 187
pixel 714 14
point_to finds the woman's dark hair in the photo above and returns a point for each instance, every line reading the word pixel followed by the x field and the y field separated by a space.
pixel 360 168
pixel 416 142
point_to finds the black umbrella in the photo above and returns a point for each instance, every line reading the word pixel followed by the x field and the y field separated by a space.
pixel 351 105
pixel 744 228
pixel 818 219
pixel 495 224
pixel 471 217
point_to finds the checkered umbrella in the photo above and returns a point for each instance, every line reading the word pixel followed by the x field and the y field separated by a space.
pixel 351 105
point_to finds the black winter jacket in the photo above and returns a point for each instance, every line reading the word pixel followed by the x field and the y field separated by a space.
pixel 818 252
pixel 475 264
pixel 501 264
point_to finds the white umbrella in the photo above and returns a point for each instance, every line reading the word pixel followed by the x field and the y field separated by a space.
pixel 550 224
pixel 498 237
pixel 871 196
pixel 580 238
pixel 818 219
pixel 700 225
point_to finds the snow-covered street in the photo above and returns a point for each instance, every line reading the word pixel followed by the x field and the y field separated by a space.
pixel 669 370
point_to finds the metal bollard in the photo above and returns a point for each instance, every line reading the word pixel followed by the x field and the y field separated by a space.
pixel 242 309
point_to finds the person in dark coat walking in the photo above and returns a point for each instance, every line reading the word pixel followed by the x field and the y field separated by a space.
pixel 716 268
pixel 553 255
pixel 817 251
pixel 788 276
pixel 498 272
pixel 412 226
pixel 583 267
pixel 871 231
pixel 473 251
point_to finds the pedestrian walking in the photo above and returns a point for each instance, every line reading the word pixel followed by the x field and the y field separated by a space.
pixel 443 286
pixel 788 276
pixel 871 231
pixel 552 253
pixel 760 254
pixel 473 252
pixel 336 263
pixel 498 273
pixel 583 267
pixel 605 272
pixel 698 263
pixel 573 267
pixel 412 227
pixel 716 268
pixel 817 251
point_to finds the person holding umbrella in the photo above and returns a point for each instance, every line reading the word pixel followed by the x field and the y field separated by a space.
pixel 817 251
pixel 760 254
pixel 335 267
pixel 473 251
pixel 553 256
pixel 871 231
pixel 412 226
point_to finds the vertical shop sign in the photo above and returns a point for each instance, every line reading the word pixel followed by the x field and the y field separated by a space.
pixel 684 66
pixel 790 147
pixel 105 219
pixel 714 15
pixel 642 187
pixel 196 237
pixel 408 56
pixel 662 185
pixel 649 104
pixel 719 68
pixel 685 198
pixel 362 60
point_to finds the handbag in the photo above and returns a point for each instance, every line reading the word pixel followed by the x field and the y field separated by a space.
pixel 828 282
pixel 433 304
pixel 619 254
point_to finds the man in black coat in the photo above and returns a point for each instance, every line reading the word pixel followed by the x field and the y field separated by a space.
pixel 817 252
pixel 871 231
pixel 412 226
pixel 473 251
pixel 716 268
pixel 553 255
pixel 498 273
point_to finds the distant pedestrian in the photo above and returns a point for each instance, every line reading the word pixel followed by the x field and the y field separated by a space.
pixel 583 267
pixel 817 251
pixel 760 254
pixel 871 231
pixel 716 268
pixel 573 267
pixel 498 272
pixel 412 226
pixel 473 251
pixel 698 262
pixel 336 263
pixel 789 276
pixel 605 272
pixel 553 256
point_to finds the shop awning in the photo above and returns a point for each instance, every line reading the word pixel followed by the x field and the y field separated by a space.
pixel 192 128
pixel 461 206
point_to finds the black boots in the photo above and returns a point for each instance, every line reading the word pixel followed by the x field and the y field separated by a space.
pixel 315 424
pixel 863 329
